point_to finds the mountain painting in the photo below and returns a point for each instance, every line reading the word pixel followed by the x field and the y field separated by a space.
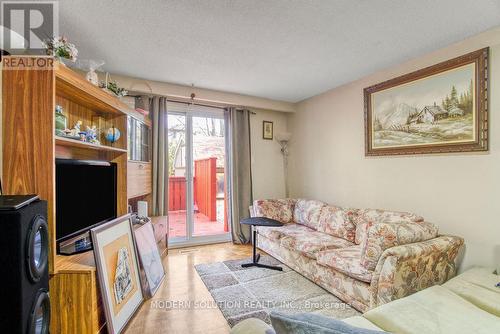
pixel 435 109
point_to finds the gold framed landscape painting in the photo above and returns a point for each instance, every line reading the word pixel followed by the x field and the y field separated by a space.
pixel 439 109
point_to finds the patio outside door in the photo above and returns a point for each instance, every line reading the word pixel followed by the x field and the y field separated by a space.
pixel 196 189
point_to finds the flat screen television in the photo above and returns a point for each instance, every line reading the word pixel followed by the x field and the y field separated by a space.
pixel 85 198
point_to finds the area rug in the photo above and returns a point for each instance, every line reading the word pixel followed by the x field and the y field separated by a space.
pixel 242 293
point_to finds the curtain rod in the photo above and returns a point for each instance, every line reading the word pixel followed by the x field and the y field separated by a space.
pixel 192 103
pixel 195 104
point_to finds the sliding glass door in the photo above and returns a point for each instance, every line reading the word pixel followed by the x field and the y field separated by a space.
pixel 197 187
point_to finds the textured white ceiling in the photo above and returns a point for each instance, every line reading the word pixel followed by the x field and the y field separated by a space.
pixel 283 50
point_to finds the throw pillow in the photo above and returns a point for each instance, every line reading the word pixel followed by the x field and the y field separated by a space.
pixel 367 217
pixel 277 209
pixel 307 212
pixel 338 222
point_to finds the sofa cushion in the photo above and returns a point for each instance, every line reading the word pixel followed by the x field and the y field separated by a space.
pixel 307 212
pixel 338 222
pixel 382 236
pixel 277 209
pixel 276 233
pixel 479 286
pixel 272 233
pixel 434 310
pixel 347 261
pixel 367 217
pixel 310 243
pixel 352 291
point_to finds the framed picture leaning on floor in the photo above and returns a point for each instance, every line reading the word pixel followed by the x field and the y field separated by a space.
pixel 118 271
pixel 149 257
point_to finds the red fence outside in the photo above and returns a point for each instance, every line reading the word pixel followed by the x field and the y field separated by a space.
pixel 205 187
pixel 176 193
pixel 205 190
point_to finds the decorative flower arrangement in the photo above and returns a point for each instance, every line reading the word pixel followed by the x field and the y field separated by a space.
pixel 113 87
pixel 60 47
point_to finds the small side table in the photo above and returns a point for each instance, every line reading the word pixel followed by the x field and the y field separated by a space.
pixel 259 221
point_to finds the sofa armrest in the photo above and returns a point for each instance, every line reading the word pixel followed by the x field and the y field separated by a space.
pixel 382 236
pixel 405 269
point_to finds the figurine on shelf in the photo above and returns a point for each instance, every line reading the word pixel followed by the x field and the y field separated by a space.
pixel 75 131
pixel 91 135
pixel 61 121
pixel 83 135
pixel 68 134
pixel 111 87
pixel 90 66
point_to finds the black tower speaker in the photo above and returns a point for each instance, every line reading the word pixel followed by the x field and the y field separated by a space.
pixel 24 250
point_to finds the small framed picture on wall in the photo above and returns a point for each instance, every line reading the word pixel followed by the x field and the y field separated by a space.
pixel 267 130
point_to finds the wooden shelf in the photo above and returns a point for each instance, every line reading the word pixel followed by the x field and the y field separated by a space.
pixel 72 86
pixel 61 141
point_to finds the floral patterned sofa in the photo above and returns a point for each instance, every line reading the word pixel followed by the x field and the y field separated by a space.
pixel 366 257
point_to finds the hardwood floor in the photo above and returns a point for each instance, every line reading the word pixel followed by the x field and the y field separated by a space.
pixel 183 285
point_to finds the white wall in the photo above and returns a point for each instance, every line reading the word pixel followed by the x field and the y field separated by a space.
pixel 458 192
pixel 267 160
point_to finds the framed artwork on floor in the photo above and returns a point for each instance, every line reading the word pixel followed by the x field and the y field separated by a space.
pixel 152 270
pixel 118 271
pixel 438 109
pixel 267 130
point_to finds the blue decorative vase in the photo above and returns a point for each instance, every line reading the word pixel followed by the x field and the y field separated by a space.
pixel 112 135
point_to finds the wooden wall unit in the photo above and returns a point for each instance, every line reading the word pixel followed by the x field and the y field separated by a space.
pixel 139 179
pixel 29 151
pixel 139 175
pixel 77 290
pixel 28 137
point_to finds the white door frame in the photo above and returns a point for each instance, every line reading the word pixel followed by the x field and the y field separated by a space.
pixel 190 239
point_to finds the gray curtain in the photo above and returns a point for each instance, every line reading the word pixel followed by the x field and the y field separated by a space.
pixel 240 173
pixel 158 110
